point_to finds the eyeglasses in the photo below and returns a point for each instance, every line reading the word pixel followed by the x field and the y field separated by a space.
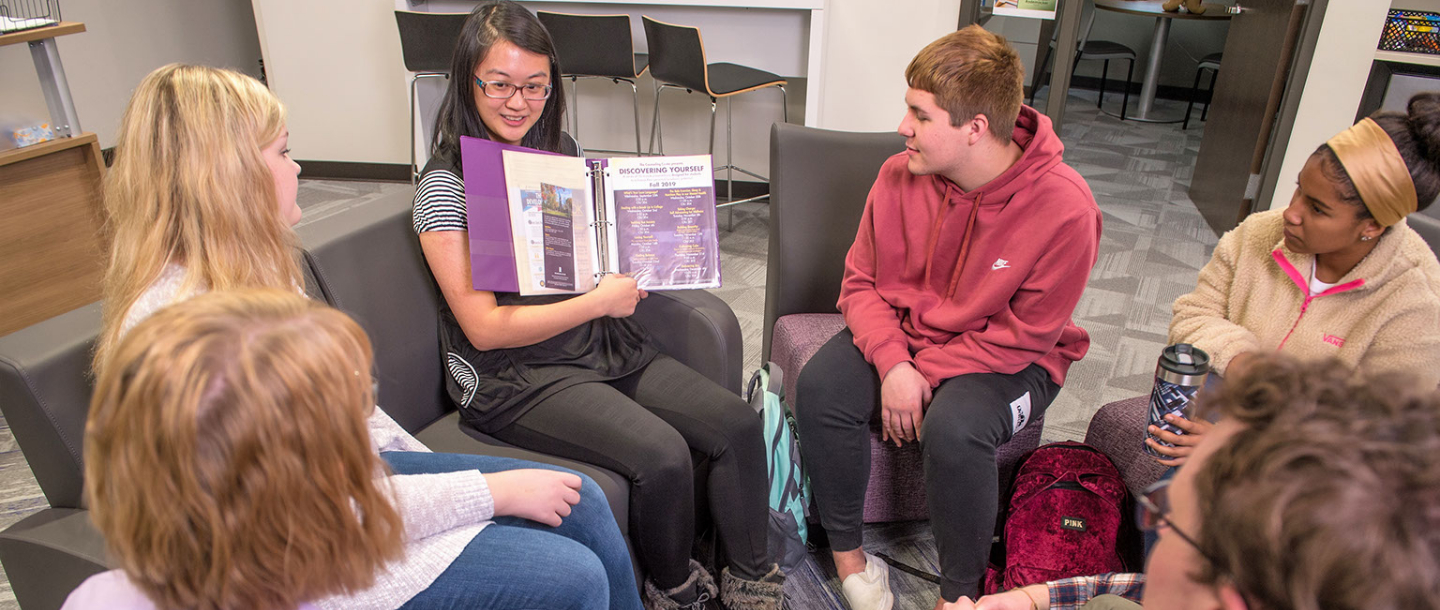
pixel 1152 508
pixel 503 91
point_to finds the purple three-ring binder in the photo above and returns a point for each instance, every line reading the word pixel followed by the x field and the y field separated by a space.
pixel 492 249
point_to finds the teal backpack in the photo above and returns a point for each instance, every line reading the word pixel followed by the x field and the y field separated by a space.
pixel 789 487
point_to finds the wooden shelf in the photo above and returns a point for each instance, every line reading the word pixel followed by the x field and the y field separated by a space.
pixel 52 251
pixel 1402 57
pixel 64 27
pixel 23 153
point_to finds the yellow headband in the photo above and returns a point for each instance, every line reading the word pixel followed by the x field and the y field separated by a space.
pixel 1375 166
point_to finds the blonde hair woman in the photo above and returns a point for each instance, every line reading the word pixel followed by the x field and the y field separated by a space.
pixel 201 195
pixel 202 199
pixel 246 412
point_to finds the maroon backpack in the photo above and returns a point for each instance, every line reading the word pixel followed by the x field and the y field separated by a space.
pixel 1068 516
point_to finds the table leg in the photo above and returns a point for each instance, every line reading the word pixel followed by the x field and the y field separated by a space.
pixel 1152 68
pixel 64 121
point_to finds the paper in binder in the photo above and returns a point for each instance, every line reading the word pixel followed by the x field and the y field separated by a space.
pixel 542 223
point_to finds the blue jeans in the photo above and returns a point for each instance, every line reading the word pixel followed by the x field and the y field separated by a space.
pixel 584 561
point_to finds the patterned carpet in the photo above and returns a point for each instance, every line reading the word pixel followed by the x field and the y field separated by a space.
pixel 1153 246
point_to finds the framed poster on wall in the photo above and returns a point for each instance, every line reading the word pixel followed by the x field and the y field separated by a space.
pixel 1033 9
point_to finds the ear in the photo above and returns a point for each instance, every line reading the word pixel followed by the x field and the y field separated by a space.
pixel 1230 598
pixel 1370 228
pixel 978 127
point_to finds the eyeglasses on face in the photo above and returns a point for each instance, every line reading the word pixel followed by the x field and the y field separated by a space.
pixel 1151 510
pixel 503 91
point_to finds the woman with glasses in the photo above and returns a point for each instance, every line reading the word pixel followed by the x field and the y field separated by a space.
pixel 1316 491
pixel 575 376
pixel 202 199
pixel 1335 274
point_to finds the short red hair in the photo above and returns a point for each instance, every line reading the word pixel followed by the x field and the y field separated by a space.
pixel 972 72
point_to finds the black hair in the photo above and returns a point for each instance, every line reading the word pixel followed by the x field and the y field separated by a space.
pixel 487 25
pixel 1416 133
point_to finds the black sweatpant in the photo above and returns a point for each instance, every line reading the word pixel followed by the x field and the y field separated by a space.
pixel 968 418
pixel 644 427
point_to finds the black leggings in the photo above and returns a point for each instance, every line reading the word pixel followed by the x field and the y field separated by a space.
pixel 968 418
pixel 644 427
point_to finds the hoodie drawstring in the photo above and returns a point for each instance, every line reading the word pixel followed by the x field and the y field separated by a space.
pixel 964 247
pixel 935 234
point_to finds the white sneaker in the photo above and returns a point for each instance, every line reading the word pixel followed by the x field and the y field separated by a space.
pixel 869 590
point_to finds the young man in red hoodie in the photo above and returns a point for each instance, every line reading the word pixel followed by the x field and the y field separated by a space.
pixel 974 247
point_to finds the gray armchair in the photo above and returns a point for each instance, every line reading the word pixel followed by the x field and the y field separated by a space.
pixel 363 259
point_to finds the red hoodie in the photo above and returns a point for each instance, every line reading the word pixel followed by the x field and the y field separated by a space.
pixel 977 282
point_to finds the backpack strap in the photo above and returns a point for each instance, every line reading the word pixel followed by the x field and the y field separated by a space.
pixel 776 383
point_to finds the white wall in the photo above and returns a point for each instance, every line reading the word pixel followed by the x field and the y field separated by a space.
pixel 122 43
pixel 1341 65
pixel 867 46
pixel 336 64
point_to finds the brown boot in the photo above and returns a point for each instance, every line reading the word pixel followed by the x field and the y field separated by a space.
pixel 767 593
pixel 696 593
pixel 1171 6
pixel 1194 7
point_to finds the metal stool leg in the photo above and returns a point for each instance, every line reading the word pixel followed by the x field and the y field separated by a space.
pixel 784 104
pixel 655 124
pixel 574 107
pixel 1125 99
pixel 1104 74
pixel 635 92
pixel 1209 94
pixel 414 175
pixel 1194 93
pixel 729 161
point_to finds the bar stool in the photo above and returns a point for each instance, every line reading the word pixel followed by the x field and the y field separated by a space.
pixel 596 46
pixel 1209 62
pixel 427 41
pixel 677 61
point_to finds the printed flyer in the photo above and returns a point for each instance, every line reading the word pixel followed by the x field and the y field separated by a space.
pixel 663 209
pixel 550 226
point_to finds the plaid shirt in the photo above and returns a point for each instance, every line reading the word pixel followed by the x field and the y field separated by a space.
pixel 1071 593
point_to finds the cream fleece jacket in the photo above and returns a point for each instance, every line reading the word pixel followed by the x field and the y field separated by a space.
pixel 1253 295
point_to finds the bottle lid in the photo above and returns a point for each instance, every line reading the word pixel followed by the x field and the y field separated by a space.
pixel 1185 359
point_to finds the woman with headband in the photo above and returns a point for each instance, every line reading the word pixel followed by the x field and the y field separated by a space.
pixel 1337 273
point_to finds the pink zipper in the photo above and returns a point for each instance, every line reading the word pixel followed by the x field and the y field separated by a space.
pixel 1304 287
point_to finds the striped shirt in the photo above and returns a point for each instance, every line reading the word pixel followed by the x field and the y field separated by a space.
pixel 439 202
